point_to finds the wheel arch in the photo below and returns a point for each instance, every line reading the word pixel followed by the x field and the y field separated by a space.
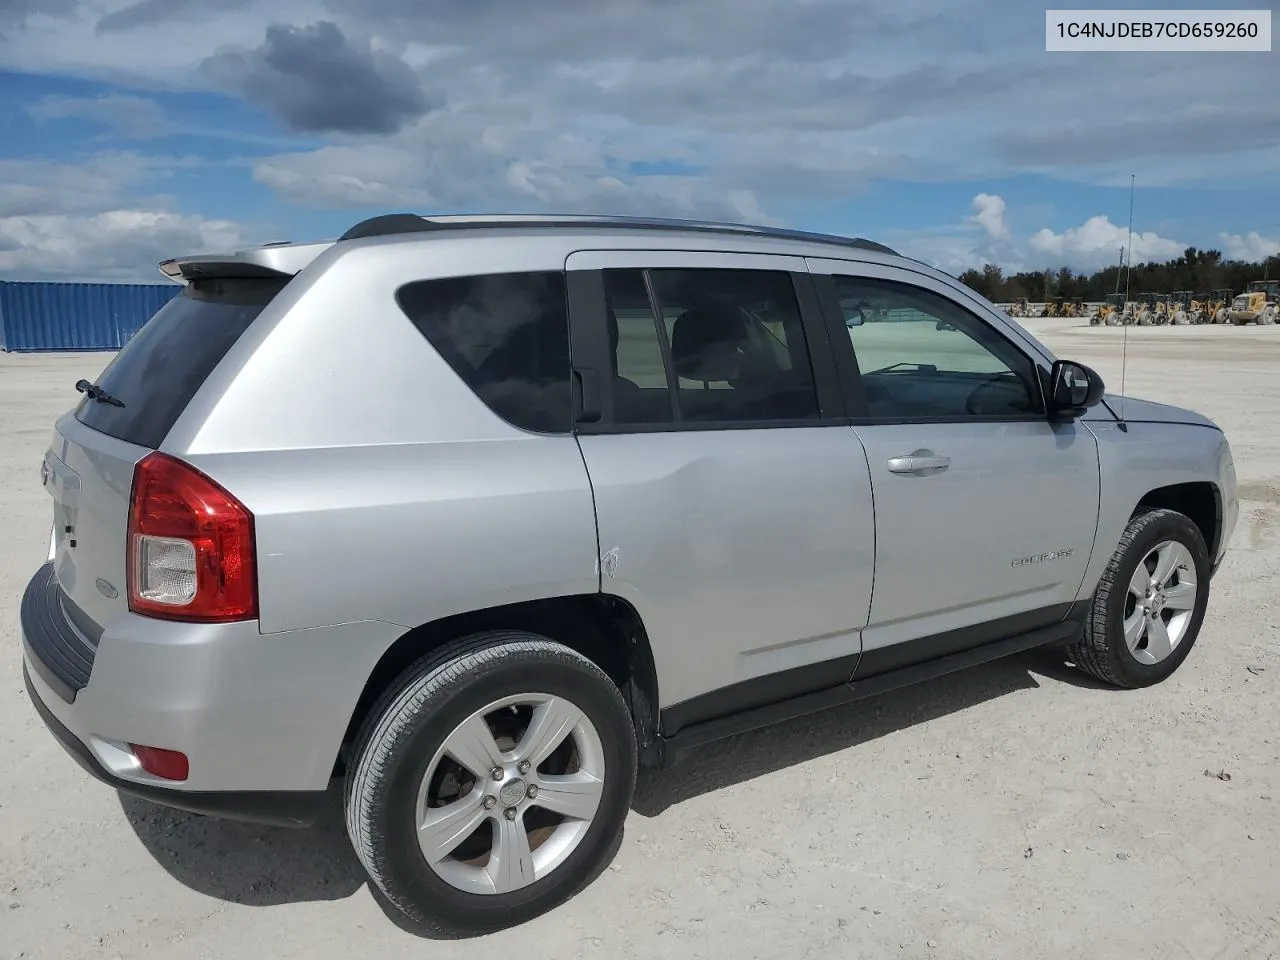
pixel 604 628
pixel 1200 501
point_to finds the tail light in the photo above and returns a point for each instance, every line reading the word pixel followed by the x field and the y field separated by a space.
pixel 191 546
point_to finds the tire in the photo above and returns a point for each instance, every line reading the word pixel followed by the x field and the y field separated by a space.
pixel 1102 650
pixel 403 739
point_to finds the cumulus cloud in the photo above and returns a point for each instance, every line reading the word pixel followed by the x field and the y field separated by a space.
pixel 475 155
pixel 988 213
pixel 97 221
pixel 36 186
pixel 354 177
pixel 115 245
pixel 1097 243
pixel 135 118
pixel 1252 246
pixel 317 79
pixel 654 106
pixel 947 249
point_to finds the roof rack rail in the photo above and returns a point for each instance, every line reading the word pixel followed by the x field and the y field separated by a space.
pixel 396 223
pixel 386 225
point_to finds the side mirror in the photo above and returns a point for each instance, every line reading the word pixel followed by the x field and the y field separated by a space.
pixel 1073 388
pixel 943 325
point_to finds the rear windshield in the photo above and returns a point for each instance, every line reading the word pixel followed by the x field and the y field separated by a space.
pixel 159 370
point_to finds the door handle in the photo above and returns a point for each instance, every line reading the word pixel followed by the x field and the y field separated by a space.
pixel 919 463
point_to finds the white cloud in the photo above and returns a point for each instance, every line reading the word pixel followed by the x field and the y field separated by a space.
pixel 507 157
pixel 985 237
pixel 989 212
pixel 952 248
pixel 645 106
pixel 373 175
pixel 1252 246
pixel 1097 242
pixel 92 222
pixel 925 86
pixel 36 186
pixel 114 245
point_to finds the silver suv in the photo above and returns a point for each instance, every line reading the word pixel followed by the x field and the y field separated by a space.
pixel 474 515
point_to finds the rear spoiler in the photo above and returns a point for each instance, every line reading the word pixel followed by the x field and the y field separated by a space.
pixel 272 261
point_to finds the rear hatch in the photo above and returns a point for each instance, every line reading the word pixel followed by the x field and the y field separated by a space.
pixel 88 470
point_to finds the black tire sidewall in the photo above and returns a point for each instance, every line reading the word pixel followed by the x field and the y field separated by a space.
pixel 438 716
pixel 1167 526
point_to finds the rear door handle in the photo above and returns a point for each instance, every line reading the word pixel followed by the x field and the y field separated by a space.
pixel 919 463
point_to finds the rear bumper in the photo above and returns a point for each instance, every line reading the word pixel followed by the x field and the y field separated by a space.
pixel 61 652
pixel 254 713
pixel 280 808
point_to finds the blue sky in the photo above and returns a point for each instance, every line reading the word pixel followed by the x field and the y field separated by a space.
pixel 139 129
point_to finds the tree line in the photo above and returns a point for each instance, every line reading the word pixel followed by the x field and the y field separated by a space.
pixel 1199 271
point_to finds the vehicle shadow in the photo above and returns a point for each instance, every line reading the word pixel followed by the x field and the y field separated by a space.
pixel 793 742
pixel 266 866
pixel 248 863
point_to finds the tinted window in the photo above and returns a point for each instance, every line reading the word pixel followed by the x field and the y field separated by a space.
pixel 923 356
pixel 507 336
pixel 640 393
pixel 159 370
pixel 731 347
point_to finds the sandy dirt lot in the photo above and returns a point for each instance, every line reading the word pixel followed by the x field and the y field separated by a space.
pixel 1016 810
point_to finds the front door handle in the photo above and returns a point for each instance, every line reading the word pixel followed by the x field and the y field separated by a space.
pixel 921 463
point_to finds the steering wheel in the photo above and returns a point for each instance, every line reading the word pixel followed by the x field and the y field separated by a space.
pixel 972 403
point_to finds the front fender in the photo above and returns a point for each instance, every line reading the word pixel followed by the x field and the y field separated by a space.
pixel 1136 458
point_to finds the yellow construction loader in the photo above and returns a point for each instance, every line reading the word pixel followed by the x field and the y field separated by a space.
pixel 1220 302
pixel 1053 307
pixel 1157 304
pixel 1111 310
pixel 1249 306
pixel 1180 301
pixel 1202 308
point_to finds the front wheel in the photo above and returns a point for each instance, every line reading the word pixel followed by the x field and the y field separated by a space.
pixel 1149 604
pixel 491 783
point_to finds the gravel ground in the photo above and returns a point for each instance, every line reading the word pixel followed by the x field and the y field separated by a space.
pixel 1014 810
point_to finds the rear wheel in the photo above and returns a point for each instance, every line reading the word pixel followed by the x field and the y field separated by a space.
pixel 492 782
pixel 1149 604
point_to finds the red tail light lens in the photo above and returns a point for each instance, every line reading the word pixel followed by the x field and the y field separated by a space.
pixel 166 764
pixel 191 546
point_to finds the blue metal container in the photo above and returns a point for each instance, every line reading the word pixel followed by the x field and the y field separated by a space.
pixel 76 316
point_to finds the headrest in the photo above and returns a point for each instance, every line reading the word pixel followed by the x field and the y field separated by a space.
pixel 705 342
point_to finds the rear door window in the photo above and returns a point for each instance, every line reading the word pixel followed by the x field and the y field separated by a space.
pixel 730 347
pixel 507 336
pixel 159 370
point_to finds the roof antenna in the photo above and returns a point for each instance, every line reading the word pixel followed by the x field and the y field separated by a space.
pixel 1124 349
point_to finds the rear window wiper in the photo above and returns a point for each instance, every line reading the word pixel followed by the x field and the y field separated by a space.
pixel 95 392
